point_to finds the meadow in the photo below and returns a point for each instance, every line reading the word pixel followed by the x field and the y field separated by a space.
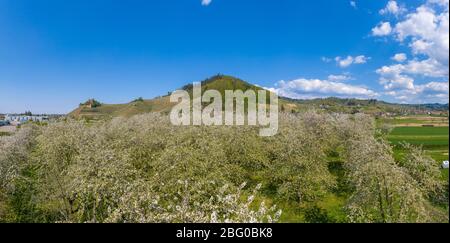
pixel 434 141
pixel 430 137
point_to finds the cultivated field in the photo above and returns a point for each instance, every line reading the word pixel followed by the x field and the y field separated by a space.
pixel 434 140
pixel 417 121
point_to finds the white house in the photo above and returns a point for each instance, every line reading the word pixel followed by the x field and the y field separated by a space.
pixel 22 118
pixel 445 164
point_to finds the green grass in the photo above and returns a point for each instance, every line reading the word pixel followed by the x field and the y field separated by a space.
pixel 334 206
pixel 433 139
pixel 420 131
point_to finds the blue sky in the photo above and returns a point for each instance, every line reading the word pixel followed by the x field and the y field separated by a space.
pixel 55 54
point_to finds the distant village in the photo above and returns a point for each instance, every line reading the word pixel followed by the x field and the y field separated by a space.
pixel 19 119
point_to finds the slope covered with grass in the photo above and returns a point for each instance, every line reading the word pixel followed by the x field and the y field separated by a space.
pixel 220 83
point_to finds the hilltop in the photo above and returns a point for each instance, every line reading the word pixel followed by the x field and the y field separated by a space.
pixel 93 109
pixel 220 83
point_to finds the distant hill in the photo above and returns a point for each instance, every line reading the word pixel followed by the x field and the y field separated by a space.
pixel 92 109
pixel 370 106
pixel 159 104
pixel 436 106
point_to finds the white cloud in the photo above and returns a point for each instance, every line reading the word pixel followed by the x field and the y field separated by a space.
pixel 353 4
pixel 206 2
pixel 443 3
pixel 426 93
pixel 349 60
pixel 425 68
pixel 316 88
pixel 339 78
pixel 392 78
pixel 398 76
pixel 399 57
pixel 361 59
pixel 392 8
pixel 344 62
pixel 426 31
pixel 433 87
pixel 397 82
pixel 382 29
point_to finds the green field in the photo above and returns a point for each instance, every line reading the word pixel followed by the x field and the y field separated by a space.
pixel 433 139
pixel 417 120
pixel 421 131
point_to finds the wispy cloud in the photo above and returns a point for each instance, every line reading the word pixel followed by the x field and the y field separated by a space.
pixel 349 60
pixel 339 78
pixel 316 88
pixel 206 2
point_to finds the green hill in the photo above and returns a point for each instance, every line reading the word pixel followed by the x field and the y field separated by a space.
pixel 160 104
pixel 95 110
pixel 220 83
